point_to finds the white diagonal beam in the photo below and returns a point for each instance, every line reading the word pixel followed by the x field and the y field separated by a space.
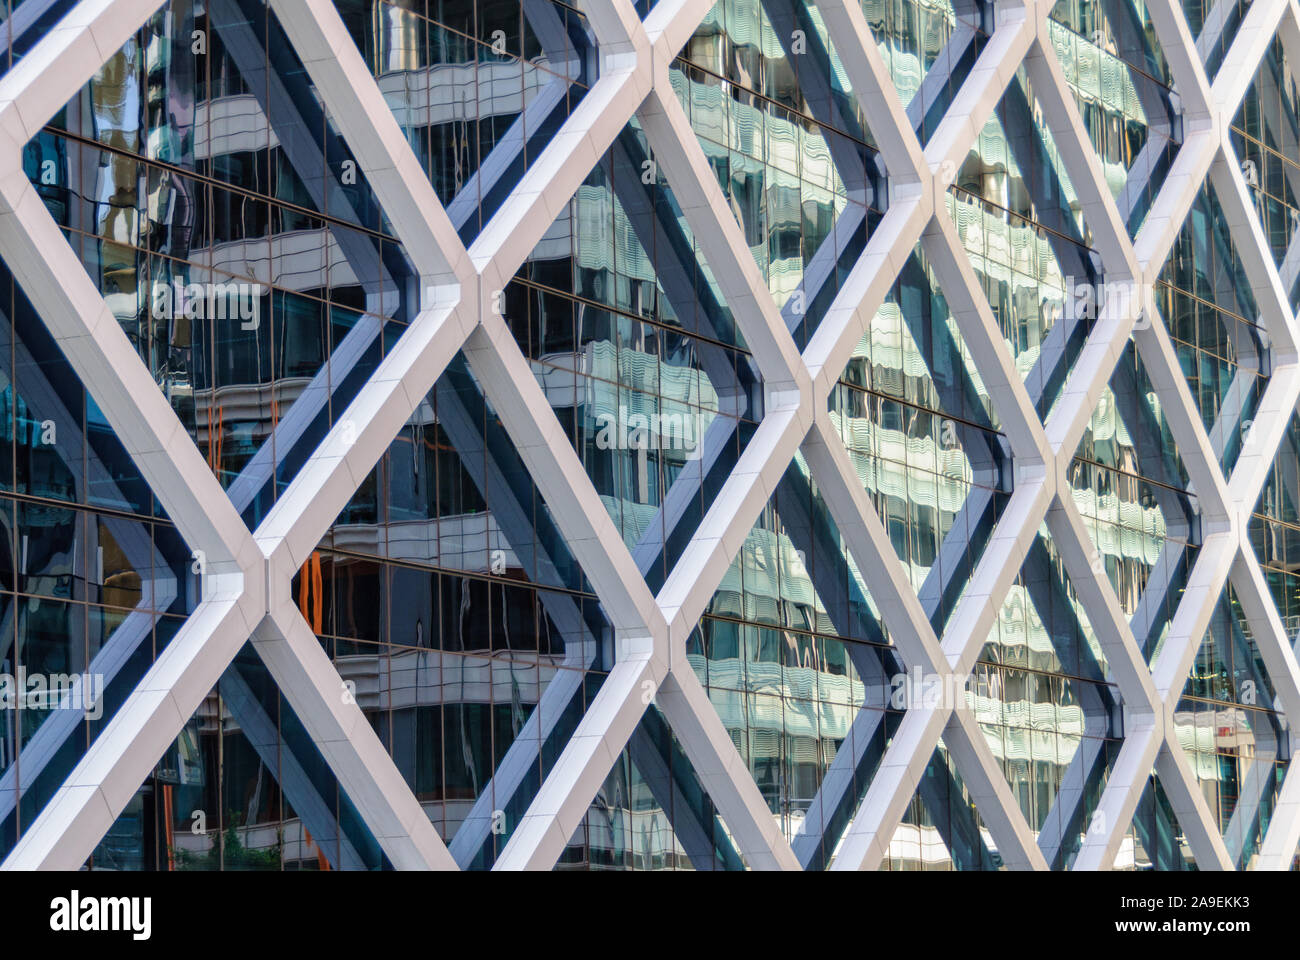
pixel 570 786
pixel 1255 254
pixel 340 730
pixel 722 771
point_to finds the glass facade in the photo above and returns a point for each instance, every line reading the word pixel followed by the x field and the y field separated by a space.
pixel 208 192
pixel 1264 135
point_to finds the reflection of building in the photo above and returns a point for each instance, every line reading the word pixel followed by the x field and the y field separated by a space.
pixel 449 593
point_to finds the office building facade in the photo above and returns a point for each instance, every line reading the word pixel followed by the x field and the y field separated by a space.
pixel 674 434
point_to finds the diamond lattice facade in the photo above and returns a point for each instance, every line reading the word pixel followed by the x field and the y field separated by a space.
pixel 769 434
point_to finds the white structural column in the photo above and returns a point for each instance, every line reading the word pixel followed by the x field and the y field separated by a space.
pixel 246 576
pixel 233 579
pixel 1144 728
pixel 97 789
